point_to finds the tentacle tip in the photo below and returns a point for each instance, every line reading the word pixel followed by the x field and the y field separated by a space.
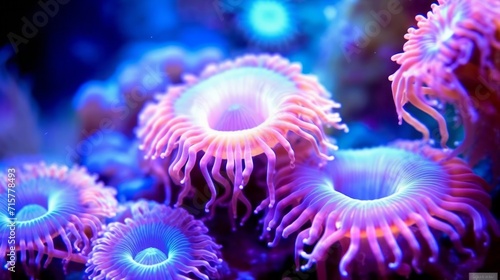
pixel 207 210
pixel 304 255
pixel 394 265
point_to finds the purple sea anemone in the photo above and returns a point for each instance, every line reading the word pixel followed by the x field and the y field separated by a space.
pixel 377 201
pixel 450 58
pixel 52 201
pixel 234 111
pixel 158 242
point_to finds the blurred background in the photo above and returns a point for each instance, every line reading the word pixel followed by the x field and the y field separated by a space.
pixel 75 74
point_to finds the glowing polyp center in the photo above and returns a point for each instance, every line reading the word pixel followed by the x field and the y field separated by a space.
pixel 268 18
pixel 361 188
pixel 150 256
pixel 380 173
pixel 30 212
pixel 236 99
pixel 237 117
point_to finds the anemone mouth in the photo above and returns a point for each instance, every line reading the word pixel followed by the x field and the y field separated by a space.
pixel 360 190
pixel 44 200
pixel 150 256
pixel 223 102
pixel 382 173
pixel 31 212
pixel 155 242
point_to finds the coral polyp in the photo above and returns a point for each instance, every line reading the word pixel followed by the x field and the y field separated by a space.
pixel 233 112
pixel 157 242
pixel 377 201
pixel 54 201
pixel 447 59
pixel 268 23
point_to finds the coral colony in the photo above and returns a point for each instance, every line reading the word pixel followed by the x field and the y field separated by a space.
pixel 176 138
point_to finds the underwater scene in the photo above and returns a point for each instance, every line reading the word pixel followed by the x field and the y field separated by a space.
pixel 250 139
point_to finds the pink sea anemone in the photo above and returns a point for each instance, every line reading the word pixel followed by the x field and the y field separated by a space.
pixel 157 242
pixel 232 112
pixel 50 202
pixel 449 59
pixel 384 204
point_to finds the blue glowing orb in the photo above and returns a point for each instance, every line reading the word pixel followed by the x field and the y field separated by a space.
pixel 268 23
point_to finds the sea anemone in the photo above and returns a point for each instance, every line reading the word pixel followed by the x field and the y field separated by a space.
pixel 52 201
pixel 233 112
pixel 368 198
pixel 453 46
pixel 268 23
pixel 158 242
